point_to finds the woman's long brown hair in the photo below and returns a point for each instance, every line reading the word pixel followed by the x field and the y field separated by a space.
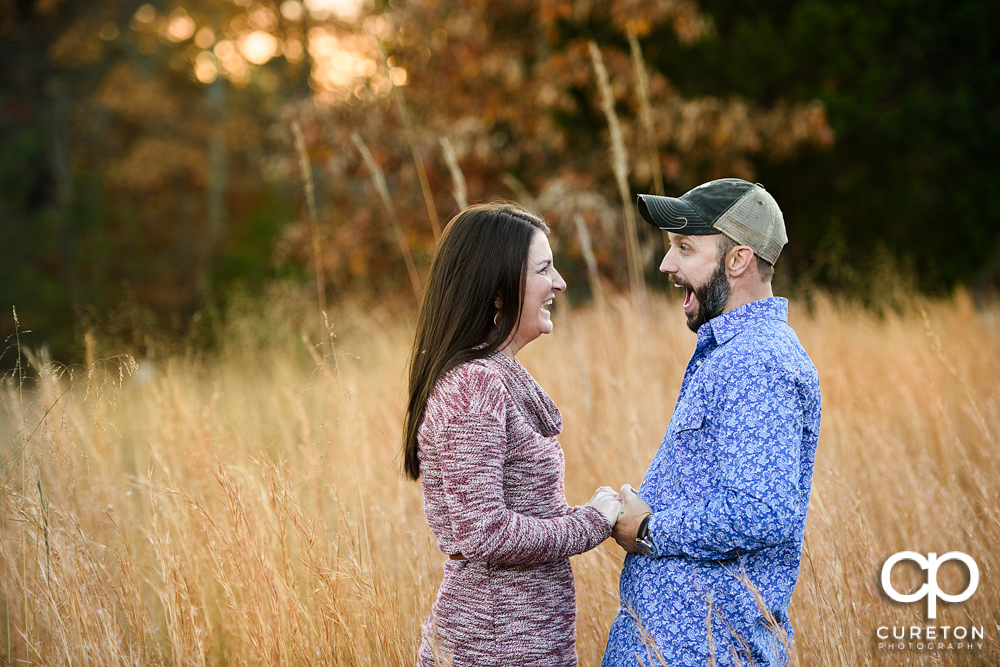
pixel 482 254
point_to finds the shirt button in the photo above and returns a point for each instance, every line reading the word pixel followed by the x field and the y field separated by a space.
pixel 698 363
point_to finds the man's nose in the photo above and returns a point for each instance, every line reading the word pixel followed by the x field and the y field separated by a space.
pixel 668 265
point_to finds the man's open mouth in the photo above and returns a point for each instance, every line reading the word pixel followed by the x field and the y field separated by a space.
pixel 688 295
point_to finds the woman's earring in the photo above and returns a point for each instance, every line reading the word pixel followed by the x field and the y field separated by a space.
pixel 496 319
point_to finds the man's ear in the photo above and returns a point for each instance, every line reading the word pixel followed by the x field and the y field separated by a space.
pixel 739 260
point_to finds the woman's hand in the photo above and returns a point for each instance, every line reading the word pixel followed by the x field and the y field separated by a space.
pixel 608 502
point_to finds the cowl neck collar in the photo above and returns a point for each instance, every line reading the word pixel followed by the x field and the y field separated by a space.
pixel 530 399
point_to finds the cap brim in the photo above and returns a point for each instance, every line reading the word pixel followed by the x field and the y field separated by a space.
pixel 673 215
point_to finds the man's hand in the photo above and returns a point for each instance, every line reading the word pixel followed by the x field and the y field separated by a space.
pixel 634 509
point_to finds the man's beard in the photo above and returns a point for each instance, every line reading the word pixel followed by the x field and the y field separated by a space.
pixel 712 296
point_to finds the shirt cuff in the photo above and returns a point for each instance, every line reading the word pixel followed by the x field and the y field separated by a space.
pixel 663 531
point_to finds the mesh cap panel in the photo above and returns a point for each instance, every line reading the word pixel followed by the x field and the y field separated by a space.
pixel 756 221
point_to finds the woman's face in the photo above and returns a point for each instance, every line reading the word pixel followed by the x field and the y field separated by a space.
pixel 540 287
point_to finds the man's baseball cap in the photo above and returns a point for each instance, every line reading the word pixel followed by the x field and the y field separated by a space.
pixel 743 211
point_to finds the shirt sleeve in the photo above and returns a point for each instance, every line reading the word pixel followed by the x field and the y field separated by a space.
pixel 472 450
pixel 757 504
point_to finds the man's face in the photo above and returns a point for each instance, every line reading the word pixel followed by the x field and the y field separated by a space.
pixel 693 263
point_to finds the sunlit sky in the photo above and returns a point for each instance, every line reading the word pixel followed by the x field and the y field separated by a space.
pixel 338 61
pixel 325 8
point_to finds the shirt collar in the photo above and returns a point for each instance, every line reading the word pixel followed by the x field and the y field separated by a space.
pixel 727 325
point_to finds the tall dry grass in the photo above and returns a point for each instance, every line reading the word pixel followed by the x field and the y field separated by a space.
pixel 248 508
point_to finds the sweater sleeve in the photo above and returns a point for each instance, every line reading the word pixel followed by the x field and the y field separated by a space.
pixel 472 448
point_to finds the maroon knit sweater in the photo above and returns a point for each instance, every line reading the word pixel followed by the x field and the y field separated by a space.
pixel 492 476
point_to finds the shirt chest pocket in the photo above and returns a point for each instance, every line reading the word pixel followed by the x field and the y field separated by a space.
pixel 692 419
pixel 695 452
pixel 691 414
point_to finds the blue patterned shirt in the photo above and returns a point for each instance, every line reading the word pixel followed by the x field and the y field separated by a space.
pixel 729 488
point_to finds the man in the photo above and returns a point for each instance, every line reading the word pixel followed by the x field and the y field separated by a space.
pixel 714 534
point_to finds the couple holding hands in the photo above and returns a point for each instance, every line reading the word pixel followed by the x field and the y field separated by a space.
pixel 714 533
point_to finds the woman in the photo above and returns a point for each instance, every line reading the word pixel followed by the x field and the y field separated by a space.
pixel 480 435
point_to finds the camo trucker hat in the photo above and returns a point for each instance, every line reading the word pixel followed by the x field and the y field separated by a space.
pixel 745 212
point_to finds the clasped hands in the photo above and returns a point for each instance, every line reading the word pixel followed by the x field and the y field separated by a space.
pixel 624 510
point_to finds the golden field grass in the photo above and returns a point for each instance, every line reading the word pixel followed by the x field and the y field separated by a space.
pixel 247 508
